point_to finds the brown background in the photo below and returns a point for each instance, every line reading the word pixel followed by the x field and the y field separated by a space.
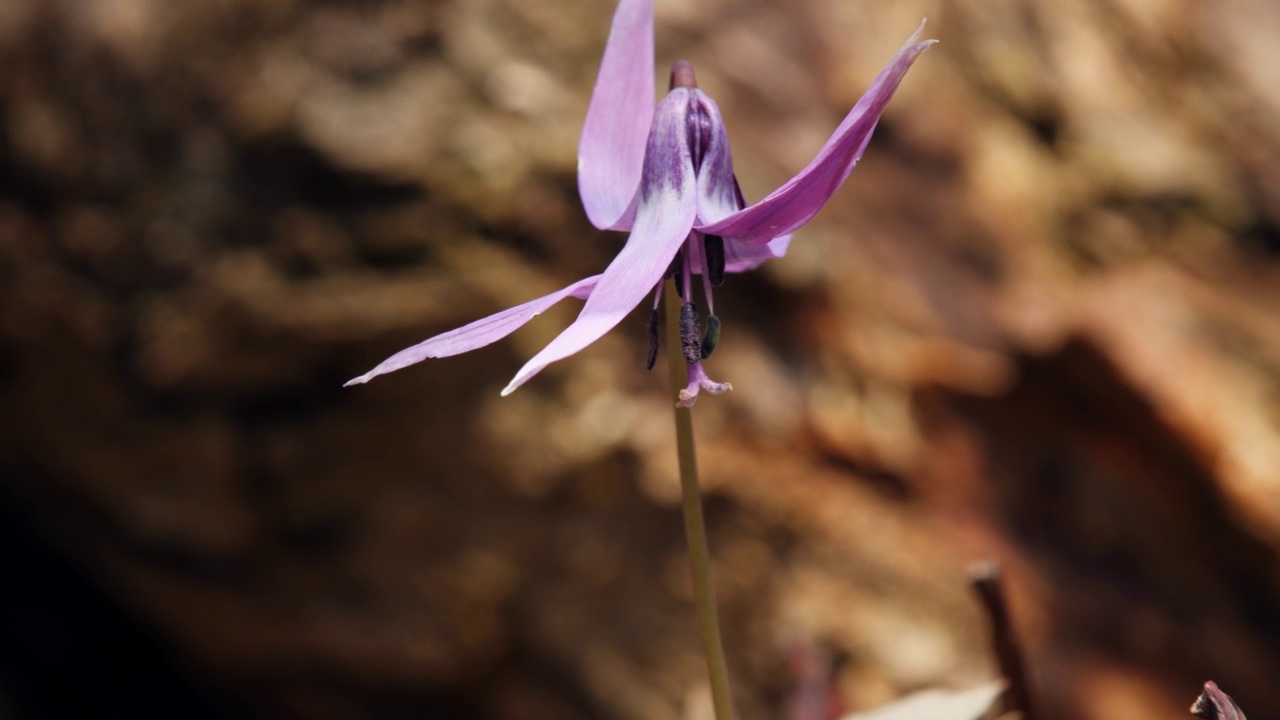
pixel 1039 324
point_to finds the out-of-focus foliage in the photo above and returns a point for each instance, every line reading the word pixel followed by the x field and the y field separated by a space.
pixel 972 704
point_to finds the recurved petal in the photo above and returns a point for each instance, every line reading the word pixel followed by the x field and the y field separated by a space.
pixel 797 201
pixel 744 257
pixel 479 333
pixel 611 150
pixel 664 216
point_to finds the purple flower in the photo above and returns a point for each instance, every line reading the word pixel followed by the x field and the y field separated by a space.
pixel 666 176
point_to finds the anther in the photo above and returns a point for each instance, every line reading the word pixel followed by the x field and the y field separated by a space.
pixel 715 259
pixel 653 340
pixel 690 343
pixel 711 338
pixel 682 75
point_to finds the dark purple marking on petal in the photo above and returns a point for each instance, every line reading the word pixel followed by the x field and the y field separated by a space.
pixel 700 128
pixel 690 342
pixel 668 159
pixel 718 195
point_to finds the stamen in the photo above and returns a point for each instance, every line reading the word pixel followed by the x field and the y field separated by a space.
pixel 653 340
pixel 690 344
pixel 715 259
pixel 673 271
pixel 696 259
pixel 685 280
pixel 682 75
pixel 711 338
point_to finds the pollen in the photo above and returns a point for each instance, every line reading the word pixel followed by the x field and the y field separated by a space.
pixel 690 342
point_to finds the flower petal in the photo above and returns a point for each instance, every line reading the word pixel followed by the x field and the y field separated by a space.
pixel 718 193
pixel 611 151
pixel 743 257
pixel 665 213
pixel 797 201
pixel 479 333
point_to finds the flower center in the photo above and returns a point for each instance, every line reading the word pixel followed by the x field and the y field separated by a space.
pixel 702 255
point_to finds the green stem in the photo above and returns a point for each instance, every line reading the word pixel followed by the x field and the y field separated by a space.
pixel 694 525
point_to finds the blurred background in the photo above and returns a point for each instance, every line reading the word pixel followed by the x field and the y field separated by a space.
pixel 1038 325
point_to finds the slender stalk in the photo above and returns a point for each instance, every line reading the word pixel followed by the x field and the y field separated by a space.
pixel 985 577
pixel 694 524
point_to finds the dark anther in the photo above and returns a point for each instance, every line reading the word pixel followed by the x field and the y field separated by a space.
pixel 673 271
pixel 711 338
pixel 690 344
pixel 715 259
pixel 653 340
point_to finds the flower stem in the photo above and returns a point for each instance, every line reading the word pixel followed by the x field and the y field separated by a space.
pixel 694 524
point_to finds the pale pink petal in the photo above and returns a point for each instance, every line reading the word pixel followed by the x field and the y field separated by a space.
pixel 479 333
pixel 797 201
pixel 611 151
pixel 743 257
pixel 664 216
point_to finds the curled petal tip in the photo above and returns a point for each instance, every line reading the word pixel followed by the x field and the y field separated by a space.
pixel 800 198
pixel 526 373
pixel 915 36
pixel 478 334
pixel 919 29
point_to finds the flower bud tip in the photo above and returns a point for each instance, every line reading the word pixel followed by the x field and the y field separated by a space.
pixel 682 75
